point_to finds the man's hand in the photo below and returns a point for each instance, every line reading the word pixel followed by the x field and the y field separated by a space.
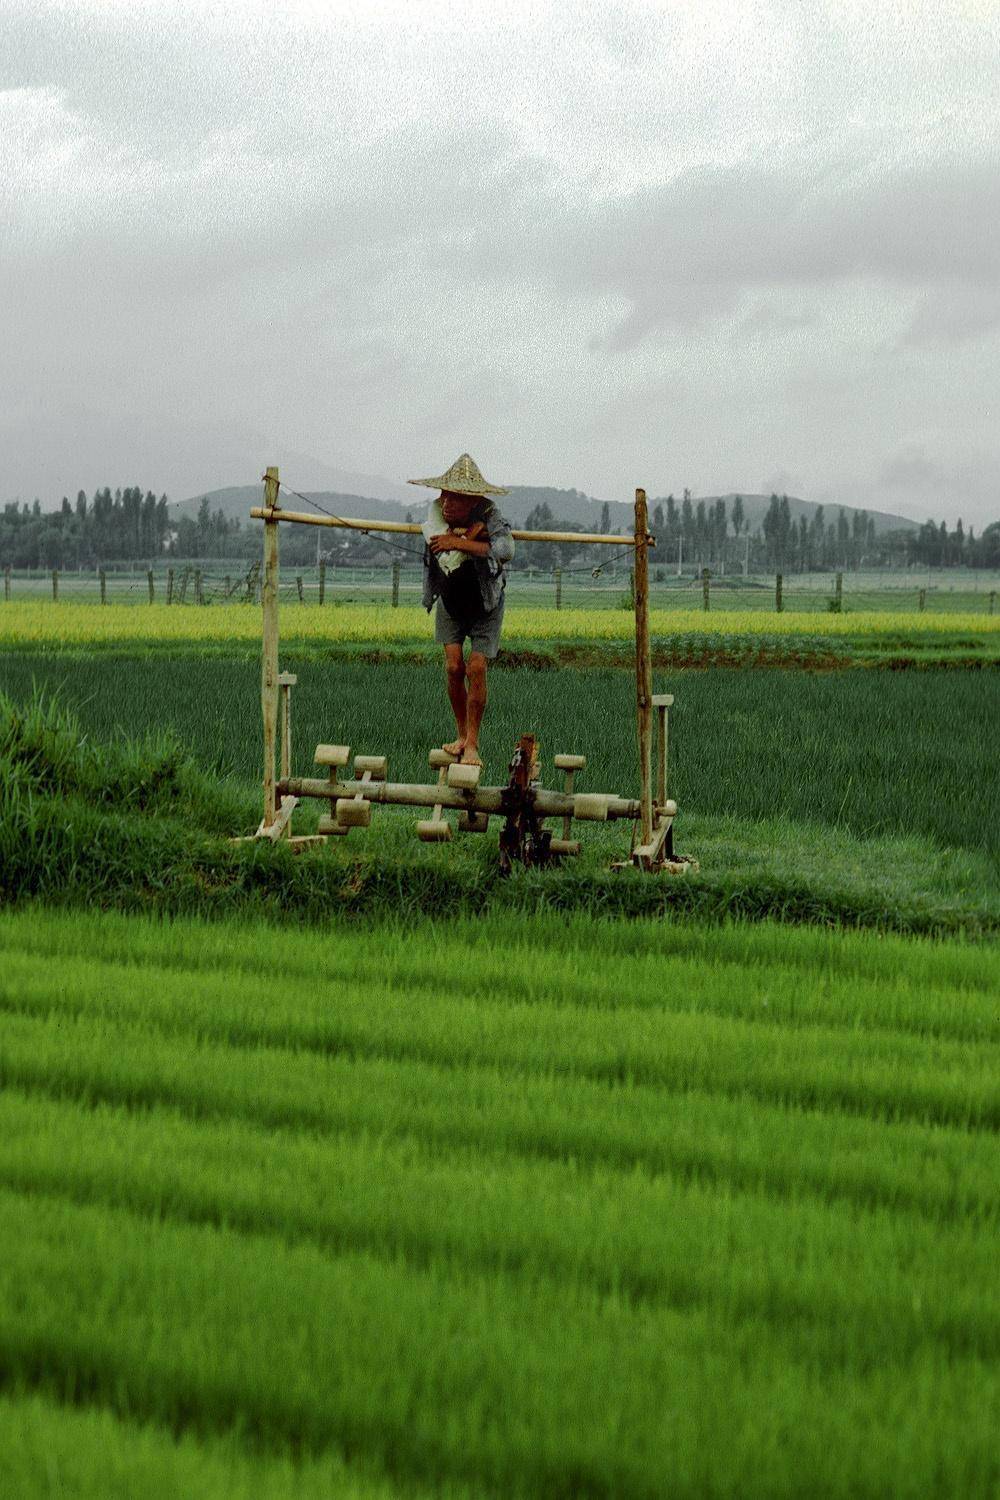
pixel 454 541
pixel 448 541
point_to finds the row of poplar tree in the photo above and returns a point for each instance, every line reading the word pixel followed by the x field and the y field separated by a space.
pixel 128 525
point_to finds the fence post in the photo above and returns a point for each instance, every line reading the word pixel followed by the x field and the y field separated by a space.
pixel 558 572
pixel 55 584
pixel 838 591
pixel 778 580
pixel 395 585
pixel 104 586
pixel 298 585
pixel 149 581
pixel 322 579
pixel 184 585
pixel 170 585
pixel 704 587
pixel 227 586
pixel 6 584
pixel 921 600
pixel 199 597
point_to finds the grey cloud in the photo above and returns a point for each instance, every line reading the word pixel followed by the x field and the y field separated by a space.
pixel 687 252
pixel 240 232
pixel 952 314
pixel 963 484
pixel 911 469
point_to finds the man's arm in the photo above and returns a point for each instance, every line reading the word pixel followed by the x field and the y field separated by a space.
pixel 499 548
pixel 501 543
pixel 450 541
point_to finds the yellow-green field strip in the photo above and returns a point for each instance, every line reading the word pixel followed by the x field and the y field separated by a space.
pixel 565 1208
pixel 70 624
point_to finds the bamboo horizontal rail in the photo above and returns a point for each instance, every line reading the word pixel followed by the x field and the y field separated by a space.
pixel 410 528
pixel 487 799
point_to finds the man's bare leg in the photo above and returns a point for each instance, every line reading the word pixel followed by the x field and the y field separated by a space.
pixel 454 663
pixel 475 707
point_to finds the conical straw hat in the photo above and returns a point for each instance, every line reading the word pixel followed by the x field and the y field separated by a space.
pixel 463 478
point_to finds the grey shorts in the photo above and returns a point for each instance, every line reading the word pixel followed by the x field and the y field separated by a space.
pixel 482 631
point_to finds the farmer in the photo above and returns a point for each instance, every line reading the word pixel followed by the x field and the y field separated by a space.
pixel 468 543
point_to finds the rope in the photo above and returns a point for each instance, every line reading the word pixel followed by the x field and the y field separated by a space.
pixel 595 572
pixel 380 541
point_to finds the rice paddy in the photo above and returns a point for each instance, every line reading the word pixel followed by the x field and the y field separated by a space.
pixel 40 623
pixel 500 1223
pixel 433 1183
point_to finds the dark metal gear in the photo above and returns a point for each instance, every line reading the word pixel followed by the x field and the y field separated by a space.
pixel 523 838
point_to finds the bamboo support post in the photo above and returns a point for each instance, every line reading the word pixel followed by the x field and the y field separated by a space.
pixel 55 585
pixel 227 586
pixel 104 586
pixel 838 591
pixel 778 580
pixel 299 587
pixel 170 585
pixel 269 659
pixel 149 585
pixel 6 584
pixel 643 666
pixel 922 601
pixel 558 577
pixel 993 601
pixel 286 681
pixel 662 702
pixel 395 585
pixel 198 596
pixel 705 575
pixel 322 580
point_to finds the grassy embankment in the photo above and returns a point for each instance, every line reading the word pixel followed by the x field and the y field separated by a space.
pixel 454 1208
pixel 838 797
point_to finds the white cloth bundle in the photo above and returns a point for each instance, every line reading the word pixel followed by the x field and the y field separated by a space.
pixel 436 525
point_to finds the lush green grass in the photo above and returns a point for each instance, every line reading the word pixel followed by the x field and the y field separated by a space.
pixel 908 754
pixel 454 1205
pixel 138 825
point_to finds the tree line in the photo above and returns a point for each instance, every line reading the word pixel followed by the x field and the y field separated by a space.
pixel 124 526
pixel 129 526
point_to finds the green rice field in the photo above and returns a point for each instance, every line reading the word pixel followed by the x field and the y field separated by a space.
pixel 367 1172
pixel 576 1207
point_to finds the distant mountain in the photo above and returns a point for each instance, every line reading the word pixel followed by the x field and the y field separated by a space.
pixel 235 504
pixel 755 509
pixel 567 505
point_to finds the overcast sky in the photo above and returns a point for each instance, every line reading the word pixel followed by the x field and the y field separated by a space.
pixel 727 246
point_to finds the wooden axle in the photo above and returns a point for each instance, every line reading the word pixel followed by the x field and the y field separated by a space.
pixel 408 528
pixel 488 799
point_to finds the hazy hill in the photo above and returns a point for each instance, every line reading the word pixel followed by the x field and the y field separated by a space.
pixel 566 505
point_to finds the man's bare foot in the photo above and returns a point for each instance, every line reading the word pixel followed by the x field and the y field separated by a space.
pixel 470 756
pixel 454 747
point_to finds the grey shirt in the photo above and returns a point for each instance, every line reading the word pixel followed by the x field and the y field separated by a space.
pixel 489 569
